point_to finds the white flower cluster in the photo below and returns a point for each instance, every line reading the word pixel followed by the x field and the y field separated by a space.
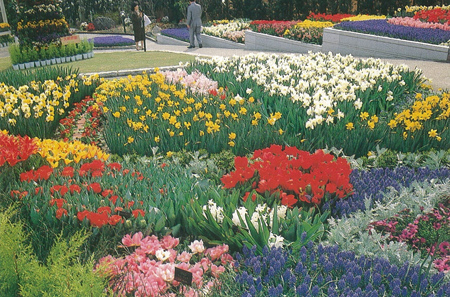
pixel 216 211
pixel 318 82
pixel 196 82
pixel 262 211
pixel 223 30
pixel 43 8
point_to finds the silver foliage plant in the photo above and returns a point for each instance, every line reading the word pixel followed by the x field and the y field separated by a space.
pixel 351 233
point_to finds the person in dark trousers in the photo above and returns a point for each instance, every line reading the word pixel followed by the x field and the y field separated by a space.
pixel 194 23
pixel 137 18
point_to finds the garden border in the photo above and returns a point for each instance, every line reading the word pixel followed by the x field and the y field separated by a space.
pixel 261 41
pixel 162 39
pixel 213 41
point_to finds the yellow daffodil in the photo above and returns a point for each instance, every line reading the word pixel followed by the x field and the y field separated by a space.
pixel 432 133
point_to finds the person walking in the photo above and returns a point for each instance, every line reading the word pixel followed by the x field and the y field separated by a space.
pixel 194 23
pixel 137 19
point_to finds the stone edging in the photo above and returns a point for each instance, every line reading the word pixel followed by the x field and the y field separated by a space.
pixel 126 72
pixel 260 41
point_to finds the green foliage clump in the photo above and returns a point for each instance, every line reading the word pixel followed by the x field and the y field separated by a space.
pixel 21 274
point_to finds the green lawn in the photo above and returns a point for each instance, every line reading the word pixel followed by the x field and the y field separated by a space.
pixel 120 61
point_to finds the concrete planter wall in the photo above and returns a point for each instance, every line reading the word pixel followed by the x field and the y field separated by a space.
pixel 335 41
pixel 161 39
pixel 212 41
pixel 259 41
pixel 365 45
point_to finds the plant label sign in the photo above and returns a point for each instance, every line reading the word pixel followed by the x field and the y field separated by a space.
pixel 183 276
pixel 70 39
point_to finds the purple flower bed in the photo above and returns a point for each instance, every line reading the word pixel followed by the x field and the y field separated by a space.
pixel 383 28
pixel 326 271
pixel 107 41
pixel 372 184
pixel 177 33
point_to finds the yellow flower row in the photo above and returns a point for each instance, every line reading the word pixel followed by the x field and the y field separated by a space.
pixel 314 24
pixel 42 24
pixel 56 152
pixel 172 109
pixel 364 17
pixel 432 107
pixel 413 9
pixel 39 98
pixel 4 25
pixel 413 119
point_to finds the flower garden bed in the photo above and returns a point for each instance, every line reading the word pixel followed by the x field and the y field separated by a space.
pixel 112 41
pixel 261 175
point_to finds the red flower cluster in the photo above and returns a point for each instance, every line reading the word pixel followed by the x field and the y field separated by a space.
pixel 90 27
pixel 101 217
pixel 42 173
pixel 94 168
pixel 427 232
pixel 437 15
pixel 14 149
pixel 298 176
pixel 215 93
pixel 323 17
pixel 104 215
pixel 276 28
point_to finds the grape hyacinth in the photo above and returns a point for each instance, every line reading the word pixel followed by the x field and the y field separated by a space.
pixel 177 33
pixel 335 273
pixel 106 41
pixel 383 28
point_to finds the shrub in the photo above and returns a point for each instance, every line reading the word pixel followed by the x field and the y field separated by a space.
pixel 21 274
pixel 103 23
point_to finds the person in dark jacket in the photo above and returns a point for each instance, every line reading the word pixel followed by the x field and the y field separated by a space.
pixel 137 19
pixel 194 23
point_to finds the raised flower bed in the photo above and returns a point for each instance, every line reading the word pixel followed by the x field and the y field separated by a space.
pixel 111 41
pixel 368 45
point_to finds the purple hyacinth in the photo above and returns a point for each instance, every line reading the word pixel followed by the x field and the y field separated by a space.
pixel 177 33
pixel 383 28
pixel 116 40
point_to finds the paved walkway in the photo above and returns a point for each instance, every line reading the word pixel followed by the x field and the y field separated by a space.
pixel 437 72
